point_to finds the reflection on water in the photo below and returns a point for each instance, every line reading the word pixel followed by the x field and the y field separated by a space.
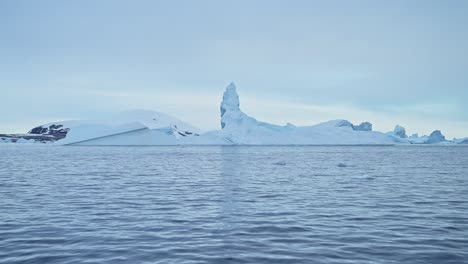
pixel 233 204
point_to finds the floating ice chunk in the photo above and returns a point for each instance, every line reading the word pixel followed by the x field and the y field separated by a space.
pixel 279 163
pixel 5 140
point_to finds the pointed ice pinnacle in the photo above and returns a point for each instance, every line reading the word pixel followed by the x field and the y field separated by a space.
pixel 230 101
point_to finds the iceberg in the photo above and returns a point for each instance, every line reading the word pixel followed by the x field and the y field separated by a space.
pixel 435 137
pixel 143 127
pixel 400 132
pixel 136 127
pixel 239 128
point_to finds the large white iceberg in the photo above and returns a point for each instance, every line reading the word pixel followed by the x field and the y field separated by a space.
pixel 239 128
pixel 142 127
pixel 137 127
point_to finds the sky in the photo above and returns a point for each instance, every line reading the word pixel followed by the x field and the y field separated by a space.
pixel 302 62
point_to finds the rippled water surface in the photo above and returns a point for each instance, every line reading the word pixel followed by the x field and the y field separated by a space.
pixel 311 204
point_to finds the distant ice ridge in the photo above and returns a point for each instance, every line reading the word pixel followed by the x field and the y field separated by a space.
pixel 436 137
pixel 142 127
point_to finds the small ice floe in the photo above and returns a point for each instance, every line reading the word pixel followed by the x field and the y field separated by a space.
pixel 342 165
pixel 280 163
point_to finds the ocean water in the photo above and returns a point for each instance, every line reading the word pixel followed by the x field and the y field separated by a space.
pixel 251 204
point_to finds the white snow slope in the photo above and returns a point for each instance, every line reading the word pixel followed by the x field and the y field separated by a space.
pixel 137 127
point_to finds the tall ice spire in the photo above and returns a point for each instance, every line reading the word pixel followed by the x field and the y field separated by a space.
pixel 230 102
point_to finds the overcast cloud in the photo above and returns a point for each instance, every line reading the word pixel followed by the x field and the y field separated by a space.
pixel 302 62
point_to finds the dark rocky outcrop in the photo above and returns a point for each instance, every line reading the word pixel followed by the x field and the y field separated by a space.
pixel 56 131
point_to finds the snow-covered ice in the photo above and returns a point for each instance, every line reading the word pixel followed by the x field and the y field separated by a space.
pixel 143 127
